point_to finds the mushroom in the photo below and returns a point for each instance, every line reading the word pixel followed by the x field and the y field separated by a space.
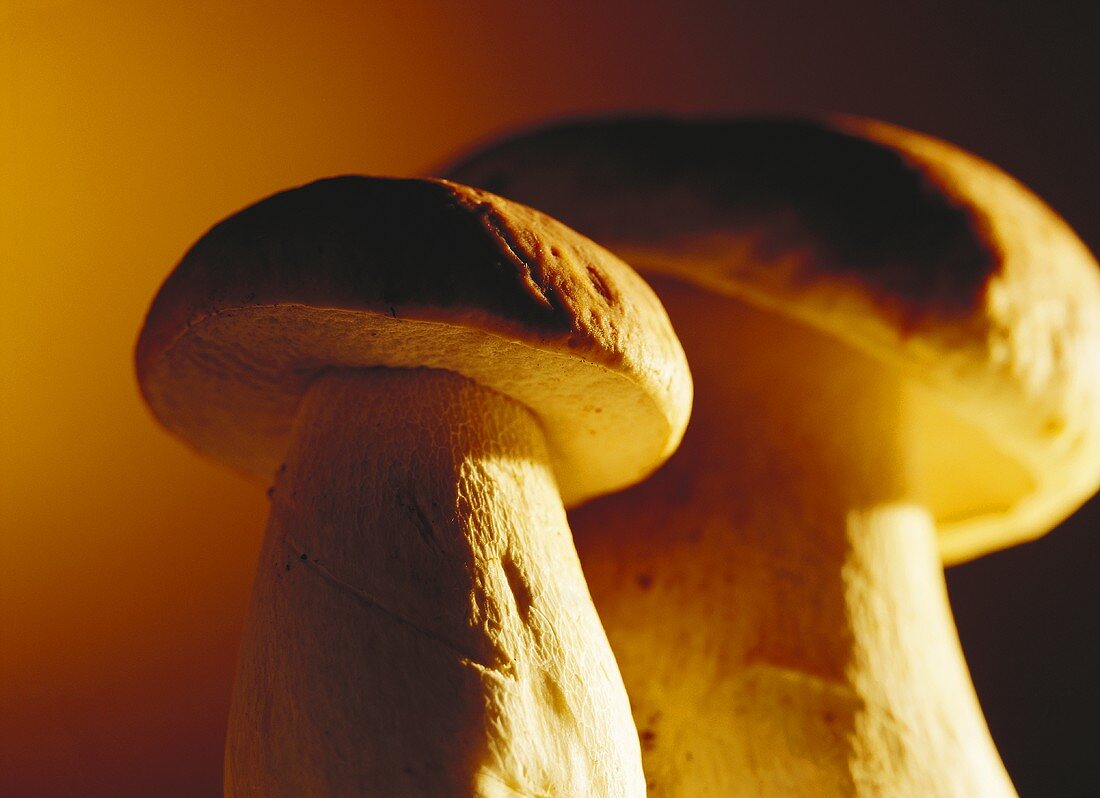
pixel 429 371
pixel 896 350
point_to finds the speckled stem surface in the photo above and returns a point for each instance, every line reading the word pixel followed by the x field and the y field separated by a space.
pixel 419 621
pixel 774 594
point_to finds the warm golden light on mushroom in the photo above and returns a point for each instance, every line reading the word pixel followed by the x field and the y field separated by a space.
pixel 427 371
pixel 893 347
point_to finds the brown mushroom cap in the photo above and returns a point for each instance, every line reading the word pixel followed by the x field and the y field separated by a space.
pixel 901 245
pixel 357 272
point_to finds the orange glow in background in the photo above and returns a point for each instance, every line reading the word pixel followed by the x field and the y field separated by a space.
pixel 128 128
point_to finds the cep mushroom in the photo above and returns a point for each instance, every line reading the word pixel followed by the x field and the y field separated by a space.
pixel 424 366
pixel 896 350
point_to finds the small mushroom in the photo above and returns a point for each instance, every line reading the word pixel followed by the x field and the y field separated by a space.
pixel 428 371
pixel 896 349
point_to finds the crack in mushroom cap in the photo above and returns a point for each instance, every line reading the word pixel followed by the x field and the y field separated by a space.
pixel 899 244
pixel 356 272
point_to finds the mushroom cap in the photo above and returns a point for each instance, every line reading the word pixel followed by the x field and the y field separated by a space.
pixel 900 244
pixel 356 272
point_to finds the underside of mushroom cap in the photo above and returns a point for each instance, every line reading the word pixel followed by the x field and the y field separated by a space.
pixel 357 272
pixel 901 245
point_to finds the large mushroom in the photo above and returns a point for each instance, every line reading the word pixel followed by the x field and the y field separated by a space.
pixel 424 366
pixel 896 349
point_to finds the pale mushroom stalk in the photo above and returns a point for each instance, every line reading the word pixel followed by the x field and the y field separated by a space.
pixel 418 543
pixel 811 650
pixel 431 373
pixel 895 347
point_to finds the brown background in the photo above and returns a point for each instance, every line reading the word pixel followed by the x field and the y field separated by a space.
pixel 127 128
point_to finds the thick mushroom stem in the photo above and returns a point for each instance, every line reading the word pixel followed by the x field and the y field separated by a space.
pixel 774 594
pixel 419 622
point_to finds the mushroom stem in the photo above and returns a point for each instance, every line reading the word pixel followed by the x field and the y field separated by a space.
pixel 774 594
pixel 419 622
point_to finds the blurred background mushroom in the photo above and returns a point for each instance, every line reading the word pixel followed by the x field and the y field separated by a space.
pixel 127 126
pixel 896 350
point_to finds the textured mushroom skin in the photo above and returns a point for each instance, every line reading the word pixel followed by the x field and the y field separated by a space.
pixel 419 623
pixel 900 244
pixel 355 265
